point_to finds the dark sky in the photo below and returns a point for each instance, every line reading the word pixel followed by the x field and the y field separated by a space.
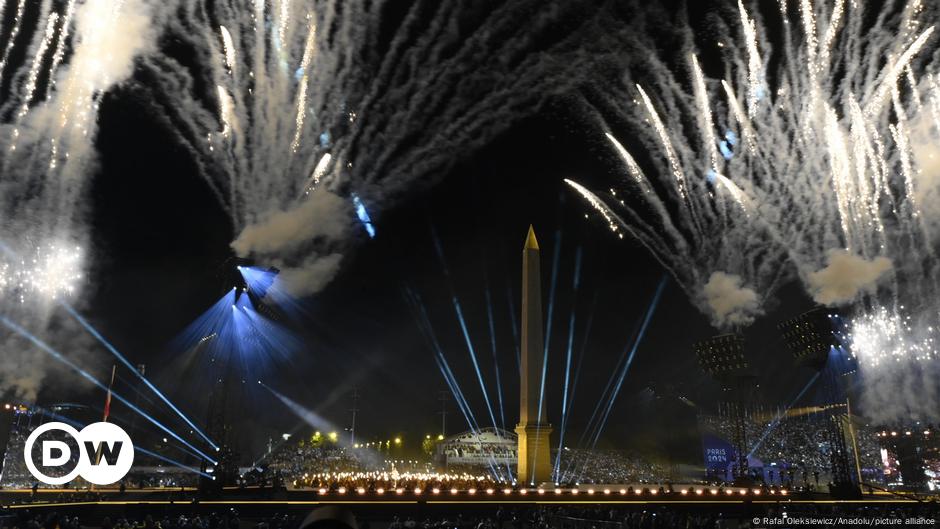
pixel 161 257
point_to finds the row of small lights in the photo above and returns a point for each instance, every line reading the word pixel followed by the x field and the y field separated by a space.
pixel 574 492
pixel 895 434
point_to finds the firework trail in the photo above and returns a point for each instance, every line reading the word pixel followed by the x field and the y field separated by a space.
pixel 811 155
pixel 74 52
pixel 57 60
pixel 290 108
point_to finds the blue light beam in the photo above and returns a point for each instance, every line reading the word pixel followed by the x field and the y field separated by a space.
pixel 492 326
pixel 60 357
pixel 117 354
pixel 564 398
pixel 636 344
pixel 78 426
pixel 773 424
pixel 424 324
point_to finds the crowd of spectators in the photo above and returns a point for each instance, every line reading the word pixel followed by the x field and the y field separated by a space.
pixel 15 473
pixel 609 466
pixel 224 520
pixel 296 460
pixel 797 448
pixel 391 482
pixel 333 467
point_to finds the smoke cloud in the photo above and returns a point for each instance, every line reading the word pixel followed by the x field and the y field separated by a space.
pixel 285 98
pixel 297 241
pixel 901 390
pixel 730 302
pixel 925 149
pixel 75 52
pixel 845 276
pixel 314 274
pixel 25 369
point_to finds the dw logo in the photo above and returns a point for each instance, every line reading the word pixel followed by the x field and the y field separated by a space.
pixel 105 453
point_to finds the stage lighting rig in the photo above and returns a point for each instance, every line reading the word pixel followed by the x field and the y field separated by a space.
pixel 812 338
pixel 722 357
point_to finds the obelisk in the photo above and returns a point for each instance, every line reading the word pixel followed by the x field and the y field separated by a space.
pixel 533 428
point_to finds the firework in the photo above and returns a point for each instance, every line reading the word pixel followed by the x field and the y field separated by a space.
pixel 881 337
pixel 822 185
pixel 309 99
pixel 73 52
pixel 51 272
pixel 821 170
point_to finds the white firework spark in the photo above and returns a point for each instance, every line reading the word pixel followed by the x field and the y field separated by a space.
pixel 882 337
pixel 48 273
pixel 827 171
pixel 72 53
pixel 313 98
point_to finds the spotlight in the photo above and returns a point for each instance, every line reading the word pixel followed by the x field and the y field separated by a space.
pixel 453 491
pixel 489 491
pixel 322 491
pixel 418 490
pixel 507 491
pixel 541 491
pixel 341 490
pixel 557 491
pixel 380 491
pixel 435 490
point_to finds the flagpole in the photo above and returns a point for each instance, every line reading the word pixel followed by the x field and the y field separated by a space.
pixel 107 402
pixel 107 413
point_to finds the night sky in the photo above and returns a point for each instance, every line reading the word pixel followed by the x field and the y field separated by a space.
pixel 163 258
pixel 161 255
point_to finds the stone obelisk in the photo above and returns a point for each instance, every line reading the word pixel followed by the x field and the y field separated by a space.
pixel 533 428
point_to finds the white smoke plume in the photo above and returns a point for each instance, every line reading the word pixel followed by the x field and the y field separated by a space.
pixel 314 273
pixel 25 369
pixel 730 302
pixel 817 129
pixel 284 239
pixel 58 65
pixel 324 214
pixel 899 364
pixel 845 277
pixel 47 146
pixel 342 96
pixel 925 150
